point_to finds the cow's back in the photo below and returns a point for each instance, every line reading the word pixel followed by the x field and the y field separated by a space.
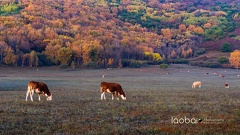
pixel 32 85
pixel 43 87
pixel 104 86
pixel 114 86
pixel 39 87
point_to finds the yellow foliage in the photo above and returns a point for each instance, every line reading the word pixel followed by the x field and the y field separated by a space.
pixel 234 59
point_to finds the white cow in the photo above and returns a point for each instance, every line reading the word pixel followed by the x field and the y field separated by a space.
pixel 196 84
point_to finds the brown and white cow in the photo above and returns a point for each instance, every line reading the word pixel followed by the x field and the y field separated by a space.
pixel 196 84
pixel 226 85
pixel 39 88
pixel 113 88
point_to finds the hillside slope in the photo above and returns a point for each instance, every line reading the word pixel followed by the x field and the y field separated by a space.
pixel 110 33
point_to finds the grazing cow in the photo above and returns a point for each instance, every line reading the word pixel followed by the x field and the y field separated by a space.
pixel 196 84
pixel 39 88
pixel 226 85
pixel 112 88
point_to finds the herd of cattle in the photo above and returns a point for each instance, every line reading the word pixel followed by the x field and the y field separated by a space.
pixel 115 89
pixel 41 88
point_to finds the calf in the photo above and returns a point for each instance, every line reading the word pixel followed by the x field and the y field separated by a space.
pixel 113 88
pixel 196 84
pixel 40 88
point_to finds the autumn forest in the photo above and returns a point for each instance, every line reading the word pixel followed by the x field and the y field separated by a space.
pixel 113 33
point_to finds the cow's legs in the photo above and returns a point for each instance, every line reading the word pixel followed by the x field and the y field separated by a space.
pixel 27 94
pixel 112 96
pixel 103 96
pixel 117 95
pixel 39 97
pixel 103 93
pixel 31 95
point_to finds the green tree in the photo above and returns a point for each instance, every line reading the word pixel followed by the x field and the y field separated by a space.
pixel 214 33
pixel 64 55
pixel 223 60
pixel 9 8
pixel 226 47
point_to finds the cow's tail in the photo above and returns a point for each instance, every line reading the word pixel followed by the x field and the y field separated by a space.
pixel 101 88
pixel 29 88
pixel 29 91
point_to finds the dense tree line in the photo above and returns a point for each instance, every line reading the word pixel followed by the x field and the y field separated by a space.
pixel 108 33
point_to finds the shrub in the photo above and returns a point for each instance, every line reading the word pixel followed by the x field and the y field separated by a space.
pixel 63 66
pixel 204 64
pixel 163 66
pixel 226 47
pixel 200 51
pixel 137 64
pixel 230 29
pixel 178 61
pixel 91 64
pixel 211 65
pixel 232 35
pixel 125 63
pixel 133 63
pixel 223 60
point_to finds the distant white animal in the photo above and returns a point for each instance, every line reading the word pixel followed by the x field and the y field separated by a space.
pixel 197 84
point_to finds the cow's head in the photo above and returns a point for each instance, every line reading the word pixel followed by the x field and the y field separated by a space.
pixel 49 97
pixel 123 97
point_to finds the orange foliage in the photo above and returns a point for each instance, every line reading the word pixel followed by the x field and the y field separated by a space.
pixel 166 6
pixel 191 27
pixel 167 33
pixel 182 27
pixel 30 7
pixel 234 59
pixel 207 25
pixel 199 30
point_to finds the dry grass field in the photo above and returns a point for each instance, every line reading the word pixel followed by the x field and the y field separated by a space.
pixel 158 101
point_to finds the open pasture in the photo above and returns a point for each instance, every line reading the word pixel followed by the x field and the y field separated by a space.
pixel 158 101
